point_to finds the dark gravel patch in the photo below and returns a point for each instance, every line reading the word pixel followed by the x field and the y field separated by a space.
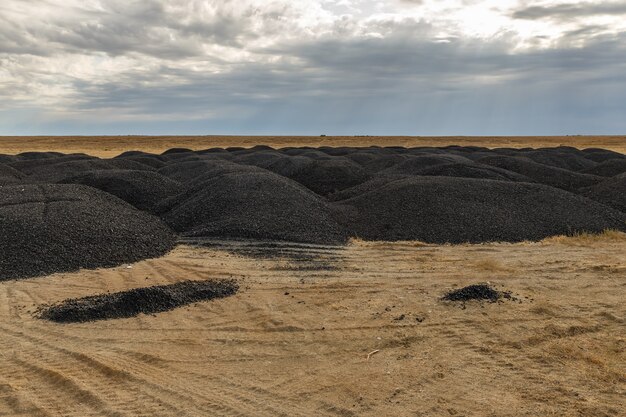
pixel 60 228
pixel 131 303
pixel 478 292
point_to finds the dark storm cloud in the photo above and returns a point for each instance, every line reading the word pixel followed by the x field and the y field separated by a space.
pixel 570 10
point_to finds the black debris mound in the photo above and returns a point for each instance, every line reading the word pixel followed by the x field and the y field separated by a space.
pixel 149 300
pixel 322 176
pixel 540 173
pixel 472 170
pixel 9 175
pixel 611 192
pixel 478 292
pixel 463 210
pixel 608 168
pixel 253 205
pixel 55 172
pixel 142 189
pixel 60 228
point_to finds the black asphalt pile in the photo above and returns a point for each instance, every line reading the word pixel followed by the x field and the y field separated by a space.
pixel 55 172
pixel 542 174
pixel 257 205
pixel 609 168
pixel 459 210
pixel 142 189
pixel 322 176
pixel 188 171
pixel 473 170
pixel 601 155
pixel 611 192
pixel 29 166
pixel 149 300
pixel 563 157
pixel 9 175
pixel 60 228
pixel 262 159
pixel 476 292
pixel 415 164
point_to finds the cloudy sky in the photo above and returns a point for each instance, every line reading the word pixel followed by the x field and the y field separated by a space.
pixel 416 67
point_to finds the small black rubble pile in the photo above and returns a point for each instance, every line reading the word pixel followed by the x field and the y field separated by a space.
pixel 48 228
pixel 148 300
pixel 477 292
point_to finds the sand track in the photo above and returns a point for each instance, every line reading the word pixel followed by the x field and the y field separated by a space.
pixel 295 340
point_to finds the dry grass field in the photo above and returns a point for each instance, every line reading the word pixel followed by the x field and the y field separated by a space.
pixel 358 330
pixel 326 332
pixel 109 146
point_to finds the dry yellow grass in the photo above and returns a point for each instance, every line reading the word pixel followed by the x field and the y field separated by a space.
pixel 588 239
pixel 109 146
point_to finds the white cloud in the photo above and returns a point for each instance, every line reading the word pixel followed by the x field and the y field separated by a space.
pixel 127 60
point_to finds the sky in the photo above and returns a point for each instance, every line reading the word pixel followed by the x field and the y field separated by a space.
pixel 311 67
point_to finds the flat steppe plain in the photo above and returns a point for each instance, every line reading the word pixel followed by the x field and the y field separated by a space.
pixel 315 330
pixel 109 146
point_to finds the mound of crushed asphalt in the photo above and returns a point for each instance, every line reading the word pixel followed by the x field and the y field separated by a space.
pixel 415 164
pixel 611 192
pixel 257 205
pixel 472 170
pixel 478 292
pixel 542 174
pixel 57 228
pixel 608 168
pixel 142 189
pixel 57 169
pixel 9 175
pixel 322 176
pixel 458 210
pixel 149 300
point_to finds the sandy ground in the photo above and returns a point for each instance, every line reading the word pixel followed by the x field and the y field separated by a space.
pixel 109 146
pixel 295 341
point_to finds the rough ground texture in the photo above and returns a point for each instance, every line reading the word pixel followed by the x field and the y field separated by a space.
pixel 148 300
pixel 296 341
pixel 57 228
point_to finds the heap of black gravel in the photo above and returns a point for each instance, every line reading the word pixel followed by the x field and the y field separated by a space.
pixel 478 292
pixel 149 300
pixel 461 210
pixel 60 228
pixel 542 174
pixel 142 189
pixel 253 205
pixel 611 192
